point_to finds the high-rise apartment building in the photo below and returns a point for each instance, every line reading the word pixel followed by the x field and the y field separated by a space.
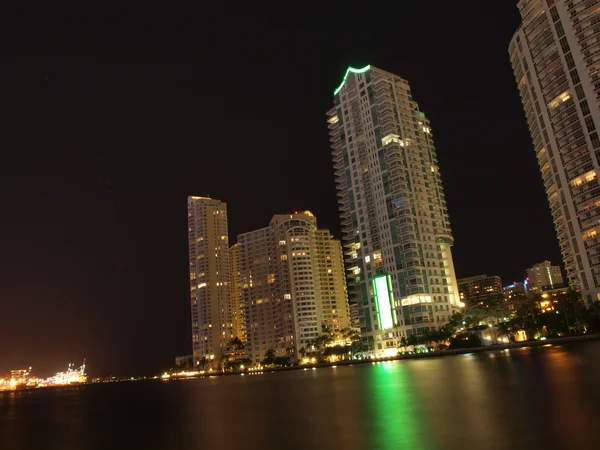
pixel 212 317
pixel 333 304
pixel 556 62
pixel 268 318
pixel 477 290
pixel 395 222
pixel 543 276
pixel 292 282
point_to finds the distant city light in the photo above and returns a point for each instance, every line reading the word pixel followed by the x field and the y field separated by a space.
pixel 24 379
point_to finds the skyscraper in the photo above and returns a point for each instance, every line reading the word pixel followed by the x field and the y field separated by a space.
pixel 291 282
pixel 212 318
pixel 395 222
pixel 544 275
pixel 554 55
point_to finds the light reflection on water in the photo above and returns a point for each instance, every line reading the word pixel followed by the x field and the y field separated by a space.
pixel 530 399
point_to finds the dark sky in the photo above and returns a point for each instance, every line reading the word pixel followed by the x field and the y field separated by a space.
pixel 109 120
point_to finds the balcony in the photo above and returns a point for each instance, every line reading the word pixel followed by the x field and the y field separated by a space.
pixel 385 111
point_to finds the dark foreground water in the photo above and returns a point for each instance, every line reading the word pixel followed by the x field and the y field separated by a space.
pixel 546 398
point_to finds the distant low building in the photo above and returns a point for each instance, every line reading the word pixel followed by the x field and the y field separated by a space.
pixel 515 290
pixel 515 295
pixel 544 276
pixel 477 290
pixel 185 362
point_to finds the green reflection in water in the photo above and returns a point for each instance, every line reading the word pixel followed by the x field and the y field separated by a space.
pixel 395 409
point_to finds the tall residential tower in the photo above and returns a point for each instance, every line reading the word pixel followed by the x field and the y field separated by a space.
pixel 291 283
pixel 395 222
pixel 212 315
pixel 555 56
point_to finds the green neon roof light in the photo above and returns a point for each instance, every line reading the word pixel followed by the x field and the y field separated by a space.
pixel 382 286
pixel 353 70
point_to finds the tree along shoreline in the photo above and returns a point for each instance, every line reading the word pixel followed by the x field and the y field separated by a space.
pixel 434 354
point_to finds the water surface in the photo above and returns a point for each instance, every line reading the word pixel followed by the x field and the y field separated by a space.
pixel 544 398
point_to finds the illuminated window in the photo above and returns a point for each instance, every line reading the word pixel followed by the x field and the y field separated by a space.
pixel 416 299
pixel 590 234
pixel 523 81
pixel 585 178
pixel 392 138
pixel 559 100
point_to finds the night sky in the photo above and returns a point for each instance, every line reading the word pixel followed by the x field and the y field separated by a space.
pixel 109 121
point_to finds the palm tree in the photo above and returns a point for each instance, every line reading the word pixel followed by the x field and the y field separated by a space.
pixel 236 343
pixel 270 356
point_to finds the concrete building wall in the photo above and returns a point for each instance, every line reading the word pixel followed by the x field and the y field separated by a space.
pixel 236 293
pixel 333 305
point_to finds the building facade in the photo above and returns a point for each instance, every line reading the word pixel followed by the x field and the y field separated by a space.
pixel 333 304
pixel 477 290
pixel 266 325
pixel 210 293
pixel 555 59
pixel 292 282
pixel 543 276
pixel 394 217
pixel 184 362
pixel 515 296
pixel 236 293
pixel 515 290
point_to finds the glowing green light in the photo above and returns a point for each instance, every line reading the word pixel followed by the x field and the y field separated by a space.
pixel 382 286
pixel 394 401
pixel 353 70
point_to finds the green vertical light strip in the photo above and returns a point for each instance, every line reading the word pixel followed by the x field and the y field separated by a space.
pixel 383 298
pixel 350 70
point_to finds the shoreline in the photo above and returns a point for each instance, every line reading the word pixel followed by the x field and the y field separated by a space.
pixel 437 354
